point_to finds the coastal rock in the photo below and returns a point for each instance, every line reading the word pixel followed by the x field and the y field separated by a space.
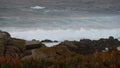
pixel 70 48
pixel 55 41
pixel 48 41
pixel 33 44
pixel 4 41
pixel 52 52
pixel 4 38
pixel 18 47
pixel 86 46
pixel 11 46
pixel 71 44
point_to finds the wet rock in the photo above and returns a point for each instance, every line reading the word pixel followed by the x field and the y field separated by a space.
pixel 46 40
pixel 55 41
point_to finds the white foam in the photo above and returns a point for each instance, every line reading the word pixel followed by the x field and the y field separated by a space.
pixel 51 44
pixel 37 7
pixel 118 48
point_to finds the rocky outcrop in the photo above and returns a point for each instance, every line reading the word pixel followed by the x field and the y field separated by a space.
pixel 86 46
pixel 52 52
pixel 11 46
pixel 33 44
pixel 48 41
pixel 16 47
pixel 5 39
pixel 70 48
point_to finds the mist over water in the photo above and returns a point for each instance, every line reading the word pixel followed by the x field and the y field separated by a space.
pixel 59 24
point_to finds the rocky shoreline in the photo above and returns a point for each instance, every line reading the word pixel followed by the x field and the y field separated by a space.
pixel 18 47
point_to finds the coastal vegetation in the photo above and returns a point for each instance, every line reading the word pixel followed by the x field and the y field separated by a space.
pixel 108 59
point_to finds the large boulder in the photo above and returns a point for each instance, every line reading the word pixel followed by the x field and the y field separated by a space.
pixel 29 45
pixel 4 38
pixel 11 46
pixel 4 41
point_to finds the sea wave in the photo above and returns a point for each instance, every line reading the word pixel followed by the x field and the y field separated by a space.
pixel 37 7
pixel 105 22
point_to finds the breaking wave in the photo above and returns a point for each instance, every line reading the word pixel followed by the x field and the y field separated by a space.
pixel 37 7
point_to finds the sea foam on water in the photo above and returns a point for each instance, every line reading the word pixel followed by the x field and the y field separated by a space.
pixel 37 7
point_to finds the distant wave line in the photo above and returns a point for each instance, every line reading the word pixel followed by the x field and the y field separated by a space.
pixel 37 7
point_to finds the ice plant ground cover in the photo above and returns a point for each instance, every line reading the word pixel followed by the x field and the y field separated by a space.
pixel 108 59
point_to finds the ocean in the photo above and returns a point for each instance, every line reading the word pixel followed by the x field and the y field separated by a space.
pixel 55 24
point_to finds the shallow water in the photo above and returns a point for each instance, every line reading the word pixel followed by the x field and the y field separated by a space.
pixel 49 44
